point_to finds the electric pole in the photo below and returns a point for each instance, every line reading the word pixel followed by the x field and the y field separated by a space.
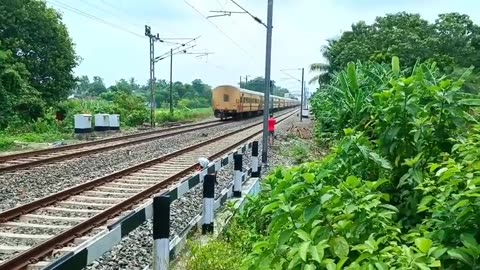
pixel 266 100
pixel 301 102
pixel 246 80
pixel 152 39
pixel 171 83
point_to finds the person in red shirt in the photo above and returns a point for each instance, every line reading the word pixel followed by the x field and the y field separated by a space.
pixel 271 128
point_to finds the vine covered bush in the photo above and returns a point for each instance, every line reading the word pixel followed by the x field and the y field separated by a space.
pixel 399 190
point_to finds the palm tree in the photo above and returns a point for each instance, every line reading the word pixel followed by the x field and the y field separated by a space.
pixel 323 70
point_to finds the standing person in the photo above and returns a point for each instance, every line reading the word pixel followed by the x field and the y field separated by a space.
pixel 271 128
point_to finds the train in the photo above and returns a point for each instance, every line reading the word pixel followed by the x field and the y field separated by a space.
pixel 234 102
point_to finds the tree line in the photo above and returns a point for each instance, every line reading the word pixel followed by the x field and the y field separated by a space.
pixel 196 94
pixel 258 85
pixel 452 41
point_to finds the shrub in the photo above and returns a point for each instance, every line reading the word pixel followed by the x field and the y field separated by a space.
pixel 216 254
pixel 399 190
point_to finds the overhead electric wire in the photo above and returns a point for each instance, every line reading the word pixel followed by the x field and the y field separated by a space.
pixel 219 29
pixel 251 15
pixel 93 17
pixel 100 20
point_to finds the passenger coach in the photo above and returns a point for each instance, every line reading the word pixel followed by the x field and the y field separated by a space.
pixel 230 101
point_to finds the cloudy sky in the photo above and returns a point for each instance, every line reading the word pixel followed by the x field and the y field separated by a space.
pixel 109 34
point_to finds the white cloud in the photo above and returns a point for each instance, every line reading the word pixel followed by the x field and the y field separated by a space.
pixel 301 27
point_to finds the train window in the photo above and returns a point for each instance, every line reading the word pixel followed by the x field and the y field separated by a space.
pixel 225 98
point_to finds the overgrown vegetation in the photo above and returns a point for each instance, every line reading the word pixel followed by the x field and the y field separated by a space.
pixel 399 189
pixel 452 41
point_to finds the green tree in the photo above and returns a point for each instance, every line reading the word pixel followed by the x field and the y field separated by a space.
pixel 453 40
pixel 258 85
pixel 18 100
pixel 39 40
pixel 82 87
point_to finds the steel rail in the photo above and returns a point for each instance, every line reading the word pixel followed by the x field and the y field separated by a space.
pixel 34 254
pixel 85 144
pixel 99 149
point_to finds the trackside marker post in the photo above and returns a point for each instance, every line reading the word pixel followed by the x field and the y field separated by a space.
pixel 208 203
pixel 255 165
pixel 161 232
pixel 237 176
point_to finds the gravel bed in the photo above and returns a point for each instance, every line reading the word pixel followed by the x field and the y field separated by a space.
pixel 135 250
pixel 29 230
pixel 24 186
pixel 63 213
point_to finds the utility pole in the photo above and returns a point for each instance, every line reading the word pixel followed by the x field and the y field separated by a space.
pixel 171 84
pixel 246 80
pixel 152 39
pixel 301 102
pixel 266 100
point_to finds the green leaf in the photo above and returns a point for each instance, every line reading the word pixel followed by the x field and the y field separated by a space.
pixel 381 266
pixel 352 75
pixel 389 207
pixel 331 266
pixel 437 252
pixel 311 212
pixel 302 251
pixel 325 197
pixel 395 65
pixel 380 160
pixel 309 178
pixel 340 247
pixel 303 235
pixel 284 236
pixel 441 171
pixel 459 204
pixel 257 248
pixel 316 255
pixel 423 203
pixel 422 266
pixel 423 244
pixel 310 267
pixel 470 102
pixel 352 181
pixel 435 263
pixel 460 255
pixel 295 260
pixel 270 207
pixel 469 241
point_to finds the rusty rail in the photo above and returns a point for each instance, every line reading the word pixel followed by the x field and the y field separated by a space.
pixel 95 150
pixel 32 255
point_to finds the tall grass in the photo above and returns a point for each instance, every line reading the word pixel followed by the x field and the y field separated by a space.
pixel 164 115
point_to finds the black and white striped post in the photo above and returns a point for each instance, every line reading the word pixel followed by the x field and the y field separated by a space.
pixel 208 203
pixel 255 165
pixel 237 175
pixel 161 232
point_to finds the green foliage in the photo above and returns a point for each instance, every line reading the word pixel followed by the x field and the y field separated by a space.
pixel 163 116
pixel 453 40
pixel 399 189
pixel 213 255
pixel 258 84
pixel 298 150
pixel 39 41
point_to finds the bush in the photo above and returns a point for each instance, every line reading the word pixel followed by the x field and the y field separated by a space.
pixel 216 254
pixel 400 189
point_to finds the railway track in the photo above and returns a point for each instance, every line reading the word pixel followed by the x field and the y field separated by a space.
pixel 44 156
pixel 53 225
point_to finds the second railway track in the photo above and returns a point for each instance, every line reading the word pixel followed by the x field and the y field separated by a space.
pixel 44 156
pixel 58 222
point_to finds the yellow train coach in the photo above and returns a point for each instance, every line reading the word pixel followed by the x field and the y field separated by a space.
pixel 230 101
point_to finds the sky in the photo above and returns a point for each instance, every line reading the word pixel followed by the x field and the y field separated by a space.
pixel 109 35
